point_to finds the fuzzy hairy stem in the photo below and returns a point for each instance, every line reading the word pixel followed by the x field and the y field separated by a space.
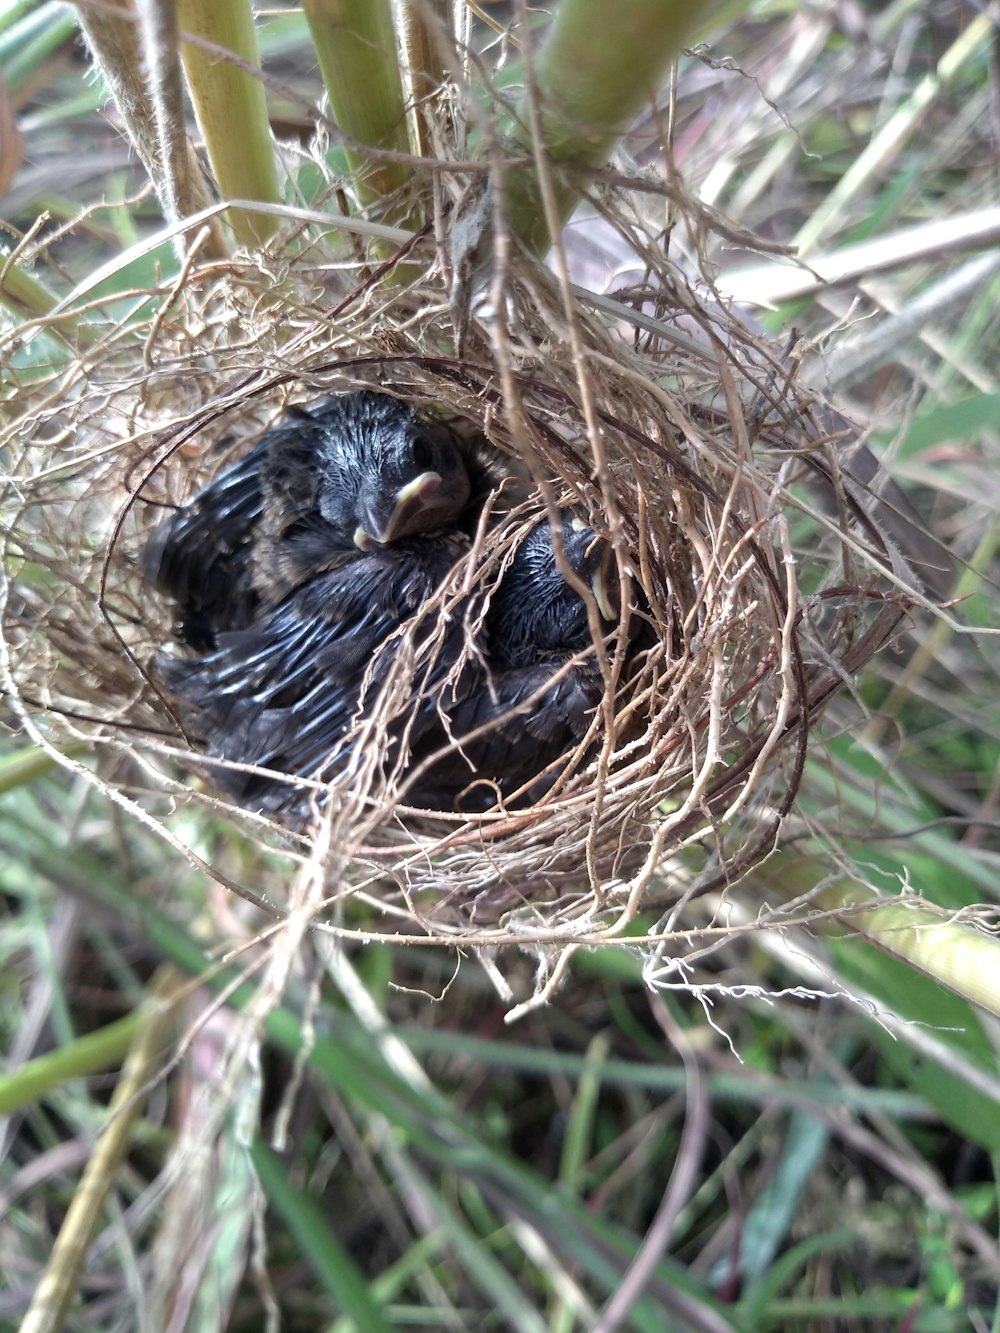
pixel 116 43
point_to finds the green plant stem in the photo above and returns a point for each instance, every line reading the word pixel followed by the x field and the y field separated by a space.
pixel 86 1056
pixel 26 766
pixel 954 954
pixel 600 64
pixel 231 107
pixel 356 46
pixel 22 294
pixel 156 1030
pixel 28 299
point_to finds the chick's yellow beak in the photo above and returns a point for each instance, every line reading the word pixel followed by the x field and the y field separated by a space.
pixel 604 585
pixel 382 527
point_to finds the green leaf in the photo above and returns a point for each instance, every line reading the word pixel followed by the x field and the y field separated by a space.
pixel 952 1021
pixel 344 1281
pixel 952 421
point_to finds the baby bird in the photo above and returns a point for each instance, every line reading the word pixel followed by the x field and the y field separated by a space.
pixel 530 703
pixel 281 693
pixel 328 482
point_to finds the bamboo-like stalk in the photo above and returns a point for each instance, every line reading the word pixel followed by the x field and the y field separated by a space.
pixel 231 107
pixel 356 47
pixel 422 57
pixel 600 63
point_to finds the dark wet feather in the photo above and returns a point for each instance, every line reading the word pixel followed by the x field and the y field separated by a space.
pixel 202 556
pixel 282 692
pixel 529 705
pixel 294 573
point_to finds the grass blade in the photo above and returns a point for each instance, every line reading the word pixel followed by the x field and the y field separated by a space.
pixel 342 1278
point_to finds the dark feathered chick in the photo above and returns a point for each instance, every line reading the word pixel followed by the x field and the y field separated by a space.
pixel 368 474
pixel 295 570
pixel 536 612
pixel 328 482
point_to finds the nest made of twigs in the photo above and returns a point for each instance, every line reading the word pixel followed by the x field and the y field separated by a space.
pixel 680 434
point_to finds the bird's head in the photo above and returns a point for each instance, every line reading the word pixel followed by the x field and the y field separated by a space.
pixel 587 555
pixel 391 476
pixel 535 612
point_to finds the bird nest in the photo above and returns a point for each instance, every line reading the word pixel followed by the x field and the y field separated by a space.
pixel 681 436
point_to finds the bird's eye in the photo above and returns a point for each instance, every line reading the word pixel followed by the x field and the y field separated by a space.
pixel 423 453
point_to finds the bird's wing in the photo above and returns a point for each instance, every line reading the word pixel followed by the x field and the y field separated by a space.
pixel 283 692
pixel 200 556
